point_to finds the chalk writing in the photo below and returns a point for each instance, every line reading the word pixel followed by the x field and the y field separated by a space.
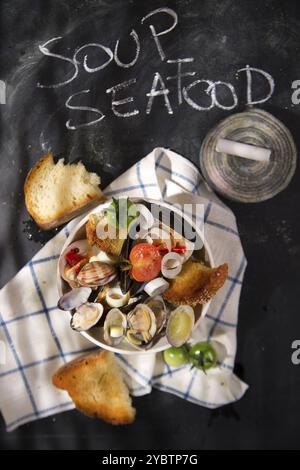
pixel 46 52
pixel 155 35
pixel 269 79
pixel 82 108
pixel 202 94
pixel 162 91
pixel 179 76
pixel 88 69
pixel 137 52
pixel 115 103
pixel 191 102
pixel 213 90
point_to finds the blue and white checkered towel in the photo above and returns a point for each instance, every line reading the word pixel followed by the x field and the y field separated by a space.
pixel 36 339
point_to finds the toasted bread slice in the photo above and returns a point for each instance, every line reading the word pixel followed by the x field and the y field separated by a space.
pixel 95 384
pixel 196 283
pixel 111 246
pixel 55 193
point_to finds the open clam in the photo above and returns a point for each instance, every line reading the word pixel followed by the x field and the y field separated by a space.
pixel 115 298
pixel 141 323
pixel 74 298
pixel 86 316
pixel 70 273
pixel 158 307
pixel 80 249
pixel 114 327
pixel 180 325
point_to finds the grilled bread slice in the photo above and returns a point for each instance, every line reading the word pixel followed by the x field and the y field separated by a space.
pixel 196 283
pixel 111 245
pixel 55 193
pixel 95 384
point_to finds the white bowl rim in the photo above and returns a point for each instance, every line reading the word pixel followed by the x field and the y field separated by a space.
pixel 72 234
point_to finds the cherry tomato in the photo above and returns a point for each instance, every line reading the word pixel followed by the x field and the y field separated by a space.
pixel 203 356
pixel 145 262
pixel 176 357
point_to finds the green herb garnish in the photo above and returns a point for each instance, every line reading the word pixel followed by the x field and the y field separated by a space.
pixel 121 212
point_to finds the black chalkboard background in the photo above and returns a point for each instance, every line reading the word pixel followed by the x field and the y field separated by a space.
pixel 222 37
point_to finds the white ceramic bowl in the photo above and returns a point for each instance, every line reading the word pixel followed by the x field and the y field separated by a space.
pixel 95 335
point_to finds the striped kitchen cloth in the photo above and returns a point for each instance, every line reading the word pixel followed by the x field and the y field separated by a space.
pixel 36 339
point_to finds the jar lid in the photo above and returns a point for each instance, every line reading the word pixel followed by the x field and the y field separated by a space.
pixel 246 180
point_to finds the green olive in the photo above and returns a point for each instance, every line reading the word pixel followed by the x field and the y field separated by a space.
pixel 176 357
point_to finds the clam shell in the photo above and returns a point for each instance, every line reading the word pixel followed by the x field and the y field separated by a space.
pixel 96 274
pixel 134 338
pixel 142 321
pixel 74 298
pixel 158 307
pixel 70 273
pixel 115 298
pixel 180 325
pixel 82 246
pixel 114 318
pixel 86 316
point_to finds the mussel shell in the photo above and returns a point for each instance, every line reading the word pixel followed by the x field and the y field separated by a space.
pixel 155 339
pixel 125 281
pixel 114 318
pixel 96 274
pixel 74 298
pixel 86 316
pixel 134 301
pixel 136 287
pixel 180 325
pixel 124 277
pixel 126 248
pixel 127 284
pixel 94 294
